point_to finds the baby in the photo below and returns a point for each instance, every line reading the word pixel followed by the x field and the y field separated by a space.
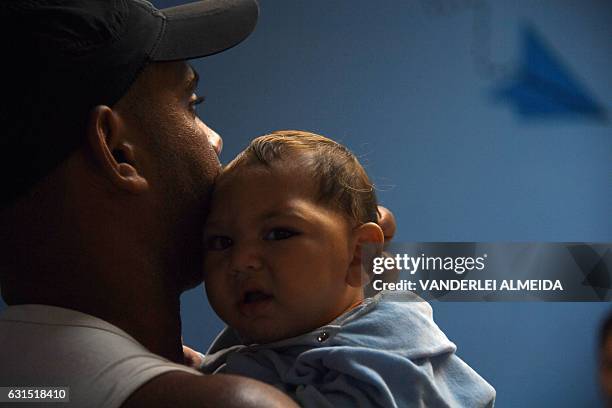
pixel 292 224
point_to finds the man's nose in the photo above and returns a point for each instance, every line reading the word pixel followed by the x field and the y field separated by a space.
pixel 215 140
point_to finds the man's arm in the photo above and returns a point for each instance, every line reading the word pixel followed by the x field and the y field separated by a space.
pixel 181 390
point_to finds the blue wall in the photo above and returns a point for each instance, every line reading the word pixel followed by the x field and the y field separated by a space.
pixel 420 91
pixel 414 88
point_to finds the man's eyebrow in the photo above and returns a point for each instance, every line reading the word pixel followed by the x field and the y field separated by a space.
pixel 193 81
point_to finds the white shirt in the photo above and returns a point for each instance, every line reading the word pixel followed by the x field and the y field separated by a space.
pixel 52 346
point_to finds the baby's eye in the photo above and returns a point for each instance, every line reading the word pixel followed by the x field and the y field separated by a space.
pixel 277 234
pixel 218 243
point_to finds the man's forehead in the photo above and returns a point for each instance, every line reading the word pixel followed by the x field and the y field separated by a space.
pixel 174 74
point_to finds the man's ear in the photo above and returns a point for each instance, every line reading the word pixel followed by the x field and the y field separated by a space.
pixel 112 151
pixel 369 240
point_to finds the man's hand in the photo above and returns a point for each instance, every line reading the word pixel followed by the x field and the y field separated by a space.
pixel 386 220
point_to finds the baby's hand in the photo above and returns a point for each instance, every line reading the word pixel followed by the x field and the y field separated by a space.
pixel 192 358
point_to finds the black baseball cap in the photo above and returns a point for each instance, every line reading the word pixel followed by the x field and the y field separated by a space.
pixel 61 58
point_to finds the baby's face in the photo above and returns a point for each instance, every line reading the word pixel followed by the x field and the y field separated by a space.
pixel 276 260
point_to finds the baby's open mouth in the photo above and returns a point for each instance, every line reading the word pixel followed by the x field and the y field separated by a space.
pixel 255 302
pixel 255 296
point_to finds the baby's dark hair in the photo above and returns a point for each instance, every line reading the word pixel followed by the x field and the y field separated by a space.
pixel 342 181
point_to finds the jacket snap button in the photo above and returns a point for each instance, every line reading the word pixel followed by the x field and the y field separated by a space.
pixel 322 337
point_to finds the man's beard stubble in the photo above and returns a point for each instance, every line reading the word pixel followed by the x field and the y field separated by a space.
pixel 185 201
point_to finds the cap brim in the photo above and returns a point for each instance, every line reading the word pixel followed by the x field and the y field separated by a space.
pixel 204 28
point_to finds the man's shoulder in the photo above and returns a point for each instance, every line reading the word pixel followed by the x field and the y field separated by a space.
pixel 100 363
pixel 65 331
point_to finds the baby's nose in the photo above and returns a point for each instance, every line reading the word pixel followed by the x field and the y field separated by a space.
pixel 245 260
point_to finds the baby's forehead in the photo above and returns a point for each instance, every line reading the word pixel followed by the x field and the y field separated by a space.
pixel 281 175
pixel 279 182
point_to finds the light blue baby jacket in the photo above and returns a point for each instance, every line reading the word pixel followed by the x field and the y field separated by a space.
pixel 388 352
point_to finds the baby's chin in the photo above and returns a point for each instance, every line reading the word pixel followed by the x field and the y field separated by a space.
pixel 261 338
pixel 266 335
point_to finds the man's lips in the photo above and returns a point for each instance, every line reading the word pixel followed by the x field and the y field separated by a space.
pixel 254 301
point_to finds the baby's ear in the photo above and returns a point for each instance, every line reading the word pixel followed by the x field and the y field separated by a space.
pixel 369 240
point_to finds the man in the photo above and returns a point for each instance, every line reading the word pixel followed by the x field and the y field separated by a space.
pixel 106 172
pixel 605 359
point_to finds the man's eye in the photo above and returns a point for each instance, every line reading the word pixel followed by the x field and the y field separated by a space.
pixel 195 102
pixel 218 243
pixel 277 234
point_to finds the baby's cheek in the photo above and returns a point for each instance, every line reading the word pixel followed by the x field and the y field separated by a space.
pixel 219 301
pixel 213 264
pixel 215 290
